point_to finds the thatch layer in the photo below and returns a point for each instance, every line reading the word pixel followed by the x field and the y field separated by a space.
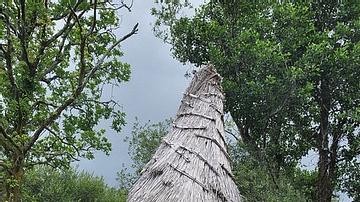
pixel 192 163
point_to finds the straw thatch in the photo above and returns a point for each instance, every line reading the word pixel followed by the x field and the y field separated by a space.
pixel 192 163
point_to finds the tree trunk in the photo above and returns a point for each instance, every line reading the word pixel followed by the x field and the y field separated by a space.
pixel 11 189
pixel 325 187
pixel 325 174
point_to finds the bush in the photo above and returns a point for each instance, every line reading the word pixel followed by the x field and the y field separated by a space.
pixel 52 185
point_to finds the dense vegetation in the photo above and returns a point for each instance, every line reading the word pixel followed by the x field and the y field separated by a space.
pixel 251 176
pixel 55 59
pixel 47 184
pixel 290 79
pixel 290 75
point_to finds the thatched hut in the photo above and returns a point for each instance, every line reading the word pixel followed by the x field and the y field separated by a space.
pixel 192 162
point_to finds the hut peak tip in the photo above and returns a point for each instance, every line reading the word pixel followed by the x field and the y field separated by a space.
pixel 208 66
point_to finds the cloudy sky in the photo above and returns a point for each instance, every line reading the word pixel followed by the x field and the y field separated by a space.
pixel 153 93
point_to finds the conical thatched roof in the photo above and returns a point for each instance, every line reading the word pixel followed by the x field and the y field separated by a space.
pixel 192 163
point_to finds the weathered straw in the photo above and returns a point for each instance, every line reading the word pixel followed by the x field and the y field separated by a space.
pixel 192 163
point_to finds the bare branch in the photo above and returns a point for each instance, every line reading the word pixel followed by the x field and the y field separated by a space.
pixel 232 134
pixel 49 80
pixel 123 5
pixel 93 23
pixel 104 103
pixel 50 159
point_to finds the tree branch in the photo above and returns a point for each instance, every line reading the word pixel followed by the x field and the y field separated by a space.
pixel 60 49
pixel 2 164
pixel 101 61
pixel 41 102
pixel 123 5
pixel 22 37
pixel 5 137
pixel 82 52
pixel 232 134
pixel 10 74
pixel 78 91
pixel 93 23
pixel 62 141
pixel 50 159
pixel 62 32
pixel 53 116
pixel 9 25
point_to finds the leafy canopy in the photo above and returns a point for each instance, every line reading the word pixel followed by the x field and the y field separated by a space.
pixel 47 184
pixel 250 174
pixel 56 57
pixel 289 74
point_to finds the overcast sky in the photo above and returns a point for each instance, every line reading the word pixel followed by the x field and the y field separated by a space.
pixel 153 93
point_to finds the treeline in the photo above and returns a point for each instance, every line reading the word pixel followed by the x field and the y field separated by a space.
pixel 47 184
pixel 252 176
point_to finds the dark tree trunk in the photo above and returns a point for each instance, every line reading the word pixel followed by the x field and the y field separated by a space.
pixel 326 163
pixel 11 189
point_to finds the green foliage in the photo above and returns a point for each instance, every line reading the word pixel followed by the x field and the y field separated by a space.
pixel 52 185
pixel 289 76
pixel 143 143
pixel 260 81
pixel 251 175
pixel 256 182
pixel 56 57
pixel 349 181
pixel 145 140
pixel 306 181
pixel 2 174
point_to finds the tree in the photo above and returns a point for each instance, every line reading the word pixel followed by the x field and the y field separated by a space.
pixel 1 169
pixel 250 83
pixel 255 184
pixel 289 77
pixel 252 180
pixel 335 97
pixel 43 183
pixel 55 59
pixel 142 145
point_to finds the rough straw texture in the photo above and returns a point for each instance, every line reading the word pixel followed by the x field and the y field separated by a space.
pixel 192 163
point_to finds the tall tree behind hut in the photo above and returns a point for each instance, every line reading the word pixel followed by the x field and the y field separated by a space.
pixel 290 78
pixel 192 162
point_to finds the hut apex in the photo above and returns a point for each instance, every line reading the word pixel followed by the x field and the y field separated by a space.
pixel 192 163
